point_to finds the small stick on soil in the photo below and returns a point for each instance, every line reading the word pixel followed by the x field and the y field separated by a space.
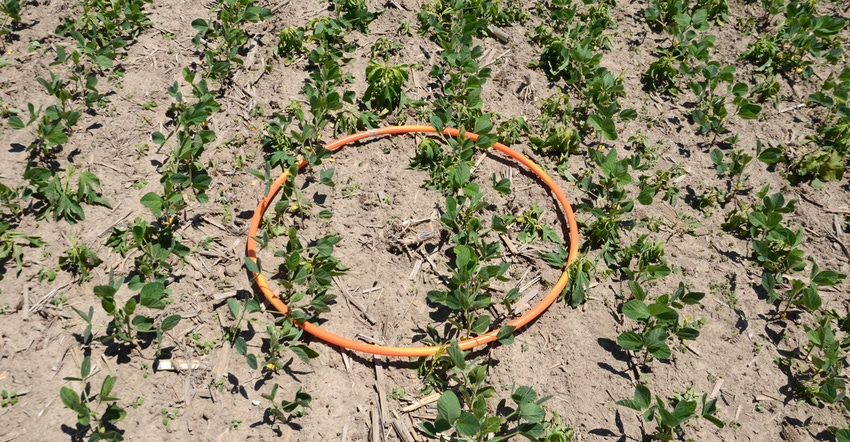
pixel 222 296
pixel 346 361
pixel 318 11
pixel 106 362
pixel 369 339
pixel 499 34
pixel 103 232
pixel 430 399
pixel 379 387
pixel 509 243
pixel 356 304
pixel 396 5
pixel 496 58
pixel 416 266
pixel 432 263
pixel 345 433
pixel 262 70
pixel 25 309
pixel 400 429
pixel 38 305
pixel 377 287
pixel 44 409
pixel 840 243
pixel 689 347
pixel 716 389
pixel 414 77
pixel 795 107
pixel 526 300
pixel 109 166
pixel 376 426
pixel 273 10
pixel 533 281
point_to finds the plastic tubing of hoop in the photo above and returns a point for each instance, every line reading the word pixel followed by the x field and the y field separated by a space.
pixel 466 344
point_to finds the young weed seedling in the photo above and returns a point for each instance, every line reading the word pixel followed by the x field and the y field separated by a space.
pixel 12 245
pixel 56 196
pixel 80 260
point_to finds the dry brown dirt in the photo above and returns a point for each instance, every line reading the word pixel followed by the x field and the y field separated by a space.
pixel 568 353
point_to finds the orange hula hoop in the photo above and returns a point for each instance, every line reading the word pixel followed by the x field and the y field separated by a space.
pixel 466 344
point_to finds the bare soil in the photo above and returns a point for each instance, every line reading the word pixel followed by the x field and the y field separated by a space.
pixel 568 353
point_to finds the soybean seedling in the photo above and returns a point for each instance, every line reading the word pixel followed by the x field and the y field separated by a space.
pixel 670 421
pixel 287 410
pixel 89 420
pixel 659 321
pixel 463 413
pixel 126 325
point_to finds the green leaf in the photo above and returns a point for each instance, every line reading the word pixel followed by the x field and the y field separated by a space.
pixel 636 309
pixel 103 61
pixel 811 300
pixel 503 186
pixel 630 341
pixel 483 124
pixel 304 352
pixel 69 398
pixel 233 305
pixel 143 323
pixel 85 367
pixel 642 399
pixel 170 322
pixel 749 111
pixel 241 346
pixel 645 196
pixel 687 333
pixel 656 271
pixel 16 123
pixel 456 355
pixel 106 388
pixel 158 138
pixel 326 177
pixel 628 114
pixel 252 266
pixel 532 412
pixel 554 259
pixel 153 202
pixel 771 155
pixel 152 295
pixel 656 343
pixel 200 25
pixel 684 410
pixel 603 125
pixel 251 359
pixel 828 278
pixel 467 424
pixel 506 335
pixel 448 408
pixel 113 414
